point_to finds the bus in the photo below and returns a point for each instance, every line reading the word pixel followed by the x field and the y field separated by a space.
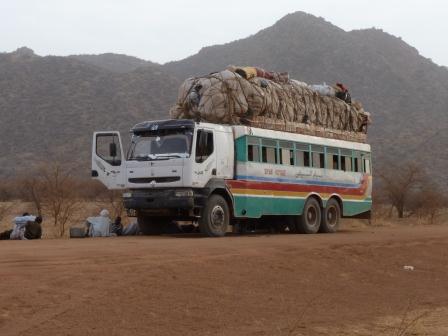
pixel 217 176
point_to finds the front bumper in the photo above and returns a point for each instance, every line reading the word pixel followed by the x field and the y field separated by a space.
pixel 163 200
pixel 157 199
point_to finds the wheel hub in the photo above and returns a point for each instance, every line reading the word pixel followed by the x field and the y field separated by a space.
pixel 217 216
pixel 311 215
pixel 331 216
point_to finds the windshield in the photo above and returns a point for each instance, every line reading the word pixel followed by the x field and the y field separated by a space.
pixel 161 144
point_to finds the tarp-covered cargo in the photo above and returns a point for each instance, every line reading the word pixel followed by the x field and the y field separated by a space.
pixel 253 96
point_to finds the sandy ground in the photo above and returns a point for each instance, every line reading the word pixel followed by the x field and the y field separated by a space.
pixel 349 283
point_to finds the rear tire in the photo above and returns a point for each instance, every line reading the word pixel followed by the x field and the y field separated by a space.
pixel 152 226
pixel 215 217
pixel 331 217
pixel 309 221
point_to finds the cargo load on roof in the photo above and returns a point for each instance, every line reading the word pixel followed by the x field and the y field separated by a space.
pixel 259 98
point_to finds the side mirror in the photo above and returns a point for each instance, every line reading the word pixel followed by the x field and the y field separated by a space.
pixel 113 149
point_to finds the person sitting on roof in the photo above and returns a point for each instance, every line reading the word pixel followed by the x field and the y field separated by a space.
pixel 342 93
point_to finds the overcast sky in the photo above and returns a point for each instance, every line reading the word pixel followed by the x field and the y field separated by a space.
pixel 166 30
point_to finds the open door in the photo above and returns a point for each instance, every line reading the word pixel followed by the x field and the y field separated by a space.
pixel 108 160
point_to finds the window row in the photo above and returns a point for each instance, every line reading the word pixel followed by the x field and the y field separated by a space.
pixel 306 155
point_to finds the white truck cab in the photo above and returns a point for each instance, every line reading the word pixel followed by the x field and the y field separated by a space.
pixel 170 172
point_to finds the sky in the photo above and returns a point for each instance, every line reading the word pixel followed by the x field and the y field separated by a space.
pixel 167 30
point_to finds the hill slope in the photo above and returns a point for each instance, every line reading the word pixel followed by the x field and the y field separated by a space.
pixel 51 105
pixel 115 62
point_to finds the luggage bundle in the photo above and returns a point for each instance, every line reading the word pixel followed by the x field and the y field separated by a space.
pixel 253 96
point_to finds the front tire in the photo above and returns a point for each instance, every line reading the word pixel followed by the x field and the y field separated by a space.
pixel 215 217
pixel 331 217
pixel 309 221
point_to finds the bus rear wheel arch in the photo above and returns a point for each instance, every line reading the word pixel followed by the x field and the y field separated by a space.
pixel 331 216
pixel 310 220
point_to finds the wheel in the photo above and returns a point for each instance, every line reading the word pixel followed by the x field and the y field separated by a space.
pixel 215 217
pixel 331 217
pixel 152 226
pixel 309 221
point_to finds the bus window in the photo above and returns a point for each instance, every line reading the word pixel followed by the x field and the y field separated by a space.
pixel 287 153
pixel 253 153
pixel 253 149
pixel 287 156
pixel 366 164
pixel 303 158
pixel 269 151
pixel 318 160
pixel 318 156
pixel 268 154
pixel 346 163
pixel 332 158
pixel 357 162
pixel 346 159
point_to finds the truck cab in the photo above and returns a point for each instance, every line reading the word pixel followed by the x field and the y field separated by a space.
pixel 173 171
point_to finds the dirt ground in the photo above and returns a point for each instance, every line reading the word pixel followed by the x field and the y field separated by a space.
pixel 349 283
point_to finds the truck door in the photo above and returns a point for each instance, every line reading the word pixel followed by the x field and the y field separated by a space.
pixel 107 160
pixel 204 166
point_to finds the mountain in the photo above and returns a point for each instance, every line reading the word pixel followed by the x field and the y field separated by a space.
pixel 406 93
pixel 115 62
pixel 52 104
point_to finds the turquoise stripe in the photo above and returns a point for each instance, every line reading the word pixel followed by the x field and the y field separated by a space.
pixel 255 207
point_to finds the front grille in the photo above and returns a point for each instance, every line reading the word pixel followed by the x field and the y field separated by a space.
pixel 161 179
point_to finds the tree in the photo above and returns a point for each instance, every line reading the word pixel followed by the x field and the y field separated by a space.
pixel 59 194
pixel 31 189
pixel 399 183
pixel 428 201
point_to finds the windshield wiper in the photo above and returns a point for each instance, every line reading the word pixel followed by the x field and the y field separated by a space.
pixel 155 157
pixel 169 156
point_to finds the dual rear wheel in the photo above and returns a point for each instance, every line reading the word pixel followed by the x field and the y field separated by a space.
pixel 315 219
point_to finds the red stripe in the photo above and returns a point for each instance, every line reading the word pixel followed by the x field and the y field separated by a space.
pixel 243 184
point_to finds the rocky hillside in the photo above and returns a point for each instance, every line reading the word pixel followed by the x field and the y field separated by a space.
pixel 50 105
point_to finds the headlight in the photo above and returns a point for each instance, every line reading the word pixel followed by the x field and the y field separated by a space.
pixel 183 193
pixel 127 195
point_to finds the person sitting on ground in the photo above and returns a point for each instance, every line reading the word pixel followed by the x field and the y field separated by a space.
pixel 25 227
pixel 130 229
pixel 33 229
pixel 99 226
pixel 20 223
pixel 117 227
